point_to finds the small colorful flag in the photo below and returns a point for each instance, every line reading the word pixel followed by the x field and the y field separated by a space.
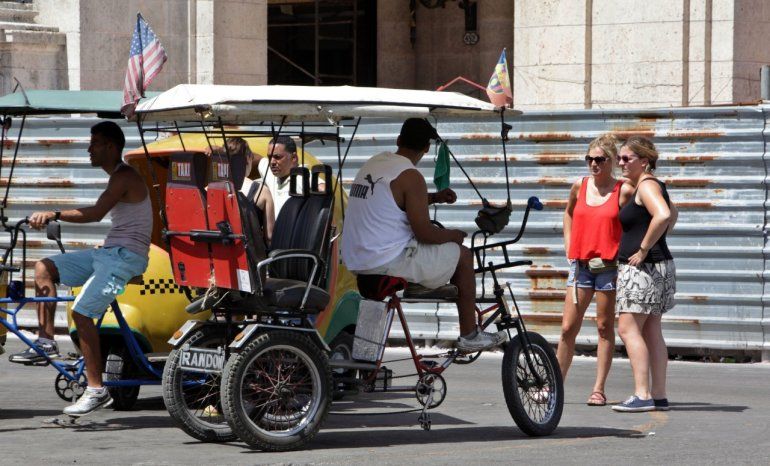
pixel 145 60
pixel 499 87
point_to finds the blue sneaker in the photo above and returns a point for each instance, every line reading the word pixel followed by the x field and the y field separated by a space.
pixel 661 404
pixel 635 405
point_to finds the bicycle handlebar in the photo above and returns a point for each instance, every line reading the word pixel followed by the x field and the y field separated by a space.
pixel 532 203
pixel 14 231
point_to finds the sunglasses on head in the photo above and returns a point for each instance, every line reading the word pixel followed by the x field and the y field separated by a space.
pixel 599 160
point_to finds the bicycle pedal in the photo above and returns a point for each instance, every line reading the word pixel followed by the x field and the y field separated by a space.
pixel 42 363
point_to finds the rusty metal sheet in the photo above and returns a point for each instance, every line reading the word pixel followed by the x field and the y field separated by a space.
pixel 713 160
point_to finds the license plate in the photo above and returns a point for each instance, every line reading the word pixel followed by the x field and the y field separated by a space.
pixel 202 359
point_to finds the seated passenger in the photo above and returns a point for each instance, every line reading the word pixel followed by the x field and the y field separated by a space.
pixel 276 179
pixel 251 189
pixel 388 230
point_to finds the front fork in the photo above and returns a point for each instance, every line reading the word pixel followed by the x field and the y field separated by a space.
pixel 508 321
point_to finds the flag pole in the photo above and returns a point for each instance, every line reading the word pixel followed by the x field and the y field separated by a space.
pixel 141 47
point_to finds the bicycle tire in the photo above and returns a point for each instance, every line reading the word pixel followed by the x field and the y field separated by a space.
pixel 197 410
pixel 277 391
pixel 119 366
pixel 536 409
pixel 342 348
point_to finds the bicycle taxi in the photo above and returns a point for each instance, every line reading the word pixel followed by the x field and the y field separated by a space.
pixel 267 375
pixel 134 332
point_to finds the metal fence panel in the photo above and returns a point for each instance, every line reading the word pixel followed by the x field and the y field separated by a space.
pixel 713 160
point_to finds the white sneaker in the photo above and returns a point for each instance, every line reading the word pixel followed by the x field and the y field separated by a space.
pixel 480 341
pixel 91 400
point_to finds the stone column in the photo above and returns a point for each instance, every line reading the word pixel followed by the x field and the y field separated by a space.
pixel 34 54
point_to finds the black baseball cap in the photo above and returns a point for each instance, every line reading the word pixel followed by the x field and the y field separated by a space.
pixel 416 133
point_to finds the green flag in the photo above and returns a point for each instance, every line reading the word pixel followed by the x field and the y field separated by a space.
pixel 441 172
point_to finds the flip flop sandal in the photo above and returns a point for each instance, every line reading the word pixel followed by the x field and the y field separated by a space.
pixel 597 399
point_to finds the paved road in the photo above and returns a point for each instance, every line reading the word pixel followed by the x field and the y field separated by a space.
pixel 720 414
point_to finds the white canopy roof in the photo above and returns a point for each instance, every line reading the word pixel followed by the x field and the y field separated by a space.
pixel 240 104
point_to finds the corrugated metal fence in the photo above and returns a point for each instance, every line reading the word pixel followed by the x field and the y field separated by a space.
pixel 713 161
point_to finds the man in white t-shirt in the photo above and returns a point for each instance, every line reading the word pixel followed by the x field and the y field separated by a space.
pixel 388 230
pixel 275 173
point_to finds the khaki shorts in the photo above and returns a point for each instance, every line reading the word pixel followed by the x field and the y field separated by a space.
pixel 430 265
pixel 647 289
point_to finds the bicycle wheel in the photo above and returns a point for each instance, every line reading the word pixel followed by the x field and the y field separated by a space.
pixel 536 408
pixel 342 349
pixel 193 398
pixel 119 366
pixel 277 391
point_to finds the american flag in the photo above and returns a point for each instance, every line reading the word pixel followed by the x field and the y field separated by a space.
pixel 145 61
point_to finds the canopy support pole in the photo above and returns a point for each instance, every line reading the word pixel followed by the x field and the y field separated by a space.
pixel 504 128
pixel 13 162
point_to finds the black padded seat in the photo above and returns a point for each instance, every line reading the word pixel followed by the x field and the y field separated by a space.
pixel 416 291
pixel 287 293
pixel 380 287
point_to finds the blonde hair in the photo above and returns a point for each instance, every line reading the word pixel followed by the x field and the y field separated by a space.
pixel 644 149
pixel 608 144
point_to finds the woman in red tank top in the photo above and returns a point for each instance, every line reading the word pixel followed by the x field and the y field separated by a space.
pixel 592 231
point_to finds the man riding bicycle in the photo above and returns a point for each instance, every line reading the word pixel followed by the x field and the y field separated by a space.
pixel 388 230
pixel 104 272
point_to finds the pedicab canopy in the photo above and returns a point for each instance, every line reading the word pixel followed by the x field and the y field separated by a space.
pixel 241 104
pixel 106 104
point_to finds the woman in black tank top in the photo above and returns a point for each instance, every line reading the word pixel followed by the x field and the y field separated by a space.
pixel 646 282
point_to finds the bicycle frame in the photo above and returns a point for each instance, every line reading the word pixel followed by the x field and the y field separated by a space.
pixel 73 371
pixel 499 308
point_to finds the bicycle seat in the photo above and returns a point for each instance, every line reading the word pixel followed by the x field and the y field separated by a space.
pixel 136 280
pixel 417 291
pixel 379 287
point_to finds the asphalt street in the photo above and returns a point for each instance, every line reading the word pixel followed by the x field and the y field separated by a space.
pixel 719 414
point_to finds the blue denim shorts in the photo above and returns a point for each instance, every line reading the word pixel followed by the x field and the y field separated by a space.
pixel 103 274
pixel 604 281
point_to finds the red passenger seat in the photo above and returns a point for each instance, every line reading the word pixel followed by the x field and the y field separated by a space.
pixel 186 211
pixel 231 260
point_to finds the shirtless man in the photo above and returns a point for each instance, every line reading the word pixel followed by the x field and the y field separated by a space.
pixel 388 230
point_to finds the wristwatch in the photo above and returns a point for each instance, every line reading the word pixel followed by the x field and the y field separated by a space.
pixel 56 215
pixel 644 250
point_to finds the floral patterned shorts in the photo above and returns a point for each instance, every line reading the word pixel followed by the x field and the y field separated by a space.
pixel 647 289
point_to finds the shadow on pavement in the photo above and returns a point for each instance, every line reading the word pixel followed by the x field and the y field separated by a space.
pixel 707 407
pixel 27 413
pixel 374 437
pixel 151 403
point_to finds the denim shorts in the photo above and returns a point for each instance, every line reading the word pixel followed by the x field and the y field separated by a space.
pixel 103 274
pixel 604 281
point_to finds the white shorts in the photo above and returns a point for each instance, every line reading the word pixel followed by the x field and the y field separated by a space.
pixel 430 265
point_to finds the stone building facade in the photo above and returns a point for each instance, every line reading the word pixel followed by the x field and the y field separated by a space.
pixel 562 53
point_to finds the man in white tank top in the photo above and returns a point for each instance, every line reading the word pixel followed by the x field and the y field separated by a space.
pixel 102 272
pixel 388 230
